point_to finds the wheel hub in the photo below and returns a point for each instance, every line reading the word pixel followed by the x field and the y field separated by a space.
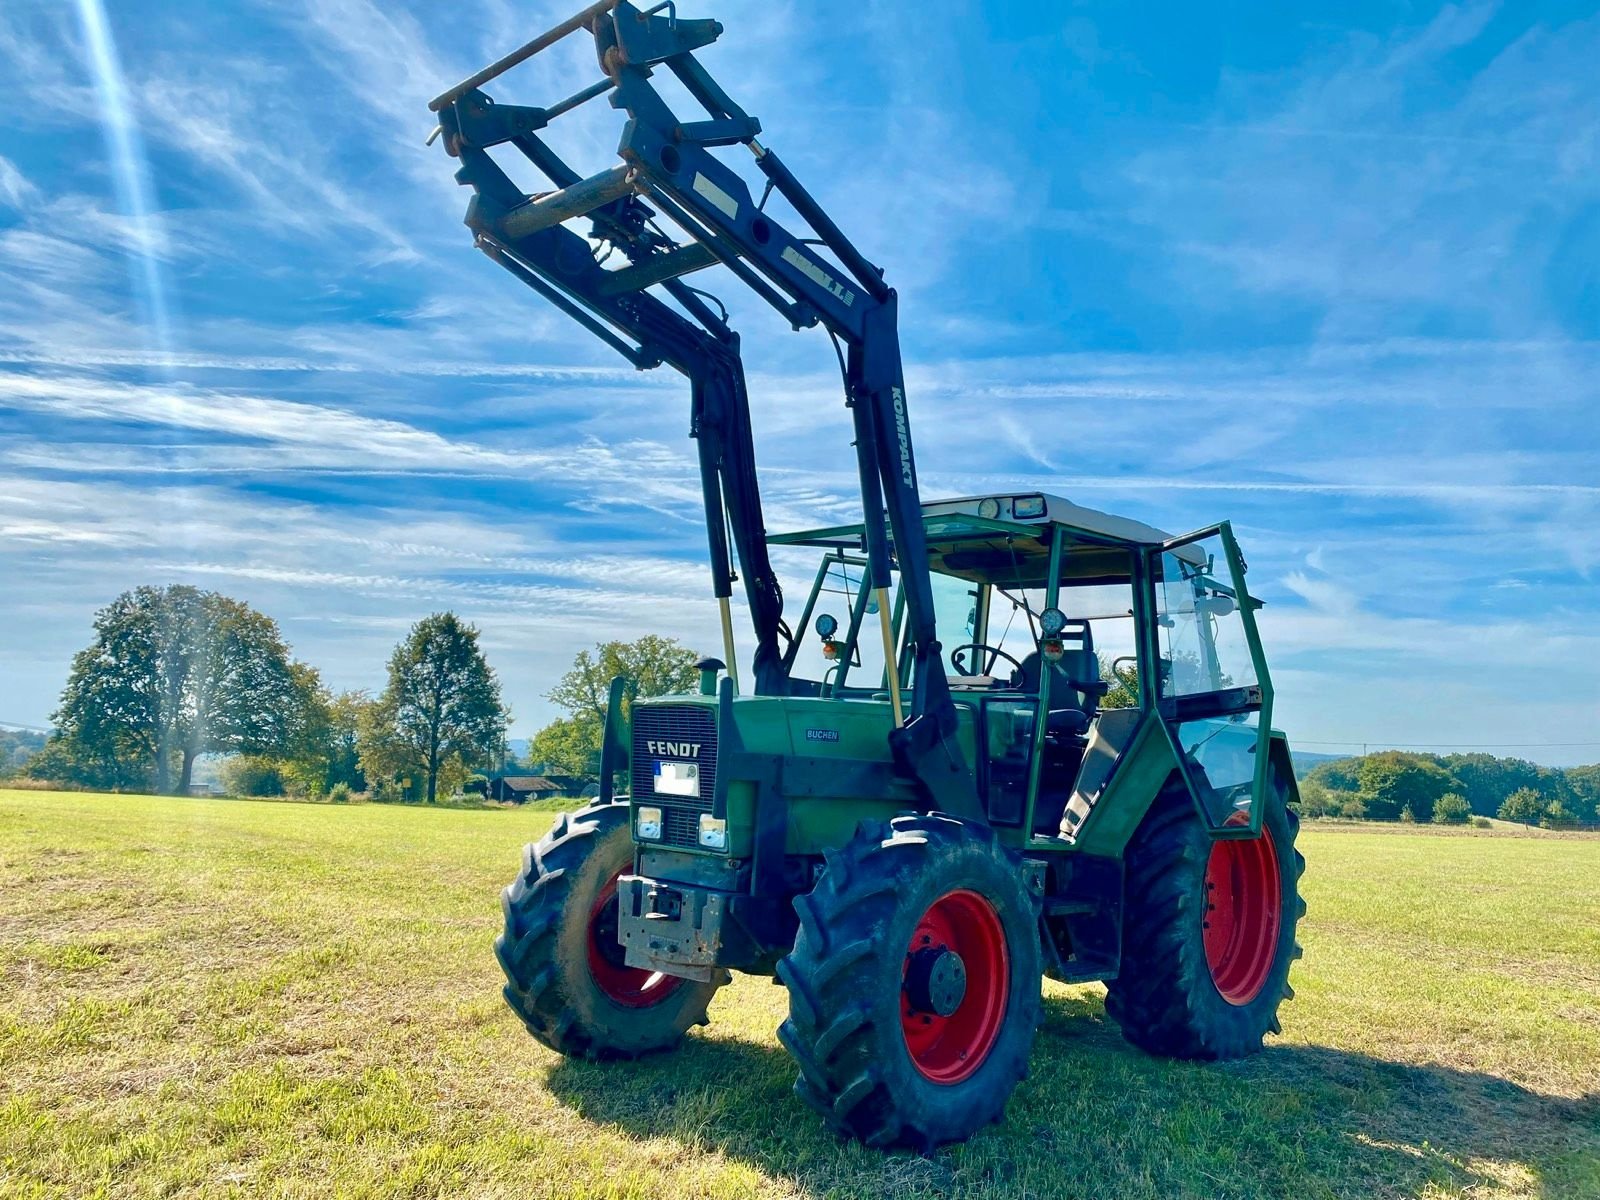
pixel 631 987
pixel 1242 917
pixel 936 981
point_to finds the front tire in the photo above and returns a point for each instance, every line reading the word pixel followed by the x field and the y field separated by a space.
pixel 913 983
pixel 1208 931
pixel 565 974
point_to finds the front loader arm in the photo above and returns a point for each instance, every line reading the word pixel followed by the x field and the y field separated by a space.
pixel 668 169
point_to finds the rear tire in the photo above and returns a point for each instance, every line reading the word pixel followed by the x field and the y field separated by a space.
pixel 913 983
pixel 565 976
pixel 1208 931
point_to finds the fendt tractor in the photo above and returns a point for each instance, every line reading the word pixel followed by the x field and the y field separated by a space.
pixel 908 838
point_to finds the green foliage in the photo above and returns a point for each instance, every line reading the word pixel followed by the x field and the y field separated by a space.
pixel 1451 809
pixel 1558 816
pixel 1392 782
pixel 16 747
pixel 1315 800
pixel 253 775
pixel 1483 780
pixel 325 751
pixel 568 746
pixel 1584 785
pixel 1353 807
pixel 1486 780
pixel 1482 823
pixel 174 673
pixel 339 793
pixel 652 666
pixel 440 711
pixel 1124 681
pixel 1338 774
pixel 1524 805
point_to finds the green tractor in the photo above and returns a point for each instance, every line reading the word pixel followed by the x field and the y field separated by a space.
pixel 1086 786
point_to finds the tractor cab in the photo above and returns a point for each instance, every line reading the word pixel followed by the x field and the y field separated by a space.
pixel 1069 636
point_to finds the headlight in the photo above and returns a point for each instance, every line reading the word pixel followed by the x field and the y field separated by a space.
pixel 713 832
pixel 648 824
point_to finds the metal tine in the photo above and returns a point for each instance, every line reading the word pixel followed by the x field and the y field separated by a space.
pixel 545 40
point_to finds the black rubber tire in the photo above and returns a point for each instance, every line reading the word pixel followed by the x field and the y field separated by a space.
pixel 845 976
pixel 1164 997
pixel 544 947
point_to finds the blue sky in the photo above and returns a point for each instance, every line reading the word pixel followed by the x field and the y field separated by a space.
pixel 1333 273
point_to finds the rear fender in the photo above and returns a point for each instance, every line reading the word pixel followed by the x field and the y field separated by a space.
pixel 1148 768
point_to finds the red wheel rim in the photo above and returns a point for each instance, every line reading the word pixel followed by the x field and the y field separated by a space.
pixel 1244 910
pixel 948 1049
pixel 631 987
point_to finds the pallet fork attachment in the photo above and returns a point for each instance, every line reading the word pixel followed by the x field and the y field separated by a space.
pixel 647 313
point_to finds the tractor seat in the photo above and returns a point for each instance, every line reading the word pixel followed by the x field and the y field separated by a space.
pixel 1071 722
pixel 1062 681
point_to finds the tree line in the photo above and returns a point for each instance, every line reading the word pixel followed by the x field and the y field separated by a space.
pixel 174 673
pixel 1396 785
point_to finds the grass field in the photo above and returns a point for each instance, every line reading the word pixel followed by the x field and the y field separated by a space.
pixel 203 997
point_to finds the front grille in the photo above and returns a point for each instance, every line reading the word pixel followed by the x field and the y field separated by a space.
pixel 683 726
pixel 680 826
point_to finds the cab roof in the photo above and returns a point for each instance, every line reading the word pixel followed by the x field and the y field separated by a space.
pixel 1005 538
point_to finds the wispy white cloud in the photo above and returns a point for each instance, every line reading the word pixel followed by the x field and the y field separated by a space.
pixel 15 188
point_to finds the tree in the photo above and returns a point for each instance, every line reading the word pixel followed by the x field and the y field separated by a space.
pixel 652 666
pixel 1316 800
pixel 1451 809
pixel 1338 774
pixel 1393 781
pixel 1558 816
pixel 441 710
pixel 252 775
pixel 1524 805
pixel 1584 783
pixel 174 673
pixel 1486 780
pixel 325 752
pixel 344 750
pixel 16 747
pixel 568 746
pixel 1353 807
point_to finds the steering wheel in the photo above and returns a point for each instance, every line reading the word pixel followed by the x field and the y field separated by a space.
pixel 995 655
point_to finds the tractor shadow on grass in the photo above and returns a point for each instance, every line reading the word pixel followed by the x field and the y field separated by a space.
pixel 1097 1118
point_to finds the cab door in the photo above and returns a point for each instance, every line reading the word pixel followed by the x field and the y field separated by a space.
pixel 1212 690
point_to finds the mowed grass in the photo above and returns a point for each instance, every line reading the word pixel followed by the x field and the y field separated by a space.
pixel 203 997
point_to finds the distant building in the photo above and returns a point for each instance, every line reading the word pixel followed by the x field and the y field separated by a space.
pixel 519 789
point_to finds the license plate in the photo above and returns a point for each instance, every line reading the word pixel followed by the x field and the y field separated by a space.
pixel 678 778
